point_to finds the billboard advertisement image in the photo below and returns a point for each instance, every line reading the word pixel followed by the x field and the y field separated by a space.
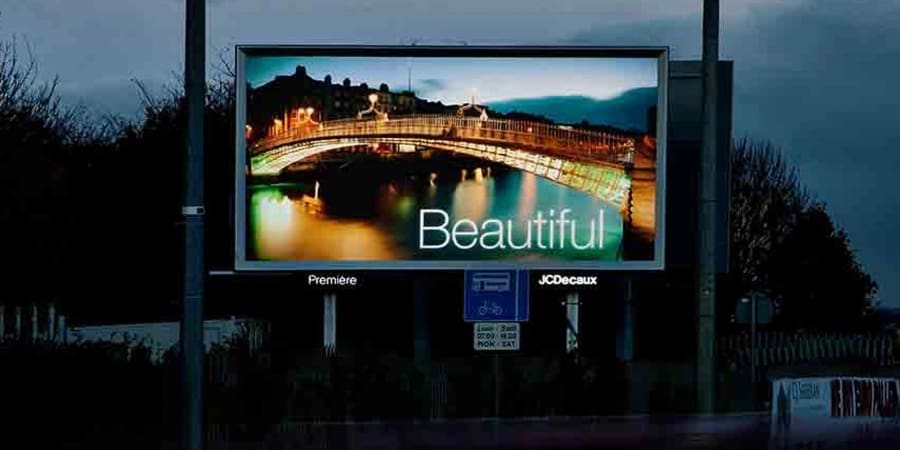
pixel 449 157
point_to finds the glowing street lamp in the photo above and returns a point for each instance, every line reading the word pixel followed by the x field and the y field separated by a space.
pixel 305 116
pixel 373 99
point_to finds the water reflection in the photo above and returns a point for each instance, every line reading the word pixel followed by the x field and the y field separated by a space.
pixel 287 224
pixel 471 199
pixel 529 196
pixel 283 229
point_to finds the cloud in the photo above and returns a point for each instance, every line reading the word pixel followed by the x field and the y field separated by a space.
pixel 113 97
pixel 818 78
pixel 430 85
pixel 681 34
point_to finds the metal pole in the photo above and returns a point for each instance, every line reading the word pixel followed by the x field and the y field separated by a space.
pixel 329 323
pixel 421 340
pixel 34 323
pixel 18 323
pixel 51 323
pixel 62 331
pixel 192 349
pixel 706 282
pixel 496 384
pixel 572 331
pixel 629 321
pixel 753 348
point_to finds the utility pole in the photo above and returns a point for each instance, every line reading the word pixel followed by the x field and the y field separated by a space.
pixel 706 252
pixel 192 349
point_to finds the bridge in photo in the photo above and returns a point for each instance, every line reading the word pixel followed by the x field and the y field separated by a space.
pixel 599 163
pixel 617 168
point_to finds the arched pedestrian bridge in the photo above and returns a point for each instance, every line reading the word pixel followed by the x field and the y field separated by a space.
pixel 591 161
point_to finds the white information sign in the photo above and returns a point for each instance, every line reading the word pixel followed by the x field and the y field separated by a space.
pixel 496 336
pixel 827 413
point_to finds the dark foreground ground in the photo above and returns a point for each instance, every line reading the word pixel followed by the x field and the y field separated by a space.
pixel 741 432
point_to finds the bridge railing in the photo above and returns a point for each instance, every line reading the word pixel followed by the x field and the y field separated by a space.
pixel 523 133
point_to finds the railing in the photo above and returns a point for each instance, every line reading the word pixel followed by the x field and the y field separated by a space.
pixel 748 379
pixel 522 133
pixel 32 325
pixel 777 348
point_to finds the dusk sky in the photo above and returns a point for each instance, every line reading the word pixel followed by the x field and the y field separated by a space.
pixel 452 80
pixel 816 77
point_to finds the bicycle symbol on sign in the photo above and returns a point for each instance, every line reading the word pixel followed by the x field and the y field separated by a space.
pixel 489 307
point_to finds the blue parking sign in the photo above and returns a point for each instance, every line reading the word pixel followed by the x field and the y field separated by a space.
pixel 496 296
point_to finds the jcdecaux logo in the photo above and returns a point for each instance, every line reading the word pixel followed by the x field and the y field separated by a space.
pixel 563 280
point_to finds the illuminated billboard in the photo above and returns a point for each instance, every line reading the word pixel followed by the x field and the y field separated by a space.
pixel 449 157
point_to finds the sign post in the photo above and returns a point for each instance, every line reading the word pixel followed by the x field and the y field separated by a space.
pixel 497 337
pixel 496 300
pixel 192 349
pixel 497 385
pixel 756 309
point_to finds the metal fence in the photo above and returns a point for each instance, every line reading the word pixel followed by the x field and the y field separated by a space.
pixel 32 324
pixel 746 382
pixel 785 348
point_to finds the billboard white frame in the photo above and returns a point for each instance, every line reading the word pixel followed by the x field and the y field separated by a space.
pixel 242 52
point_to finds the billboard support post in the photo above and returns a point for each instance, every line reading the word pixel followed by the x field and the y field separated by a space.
pixel 628 338
pixel 329 325
pixel 192 349
pixel 421 343
pixel 572 333
pixel 497 389
pixel 706 264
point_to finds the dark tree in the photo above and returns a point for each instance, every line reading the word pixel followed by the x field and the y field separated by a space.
pixel 767 200
pixel 384 87
pixel 38 141
pixel 90 208
pixel 148 162
pixel 785 245
pixel 816 279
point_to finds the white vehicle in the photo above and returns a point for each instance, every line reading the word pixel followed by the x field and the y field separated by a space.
pixel 491 282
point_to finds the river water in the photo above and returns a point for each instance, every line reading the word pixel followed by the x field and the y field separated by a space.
pixel 382 221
